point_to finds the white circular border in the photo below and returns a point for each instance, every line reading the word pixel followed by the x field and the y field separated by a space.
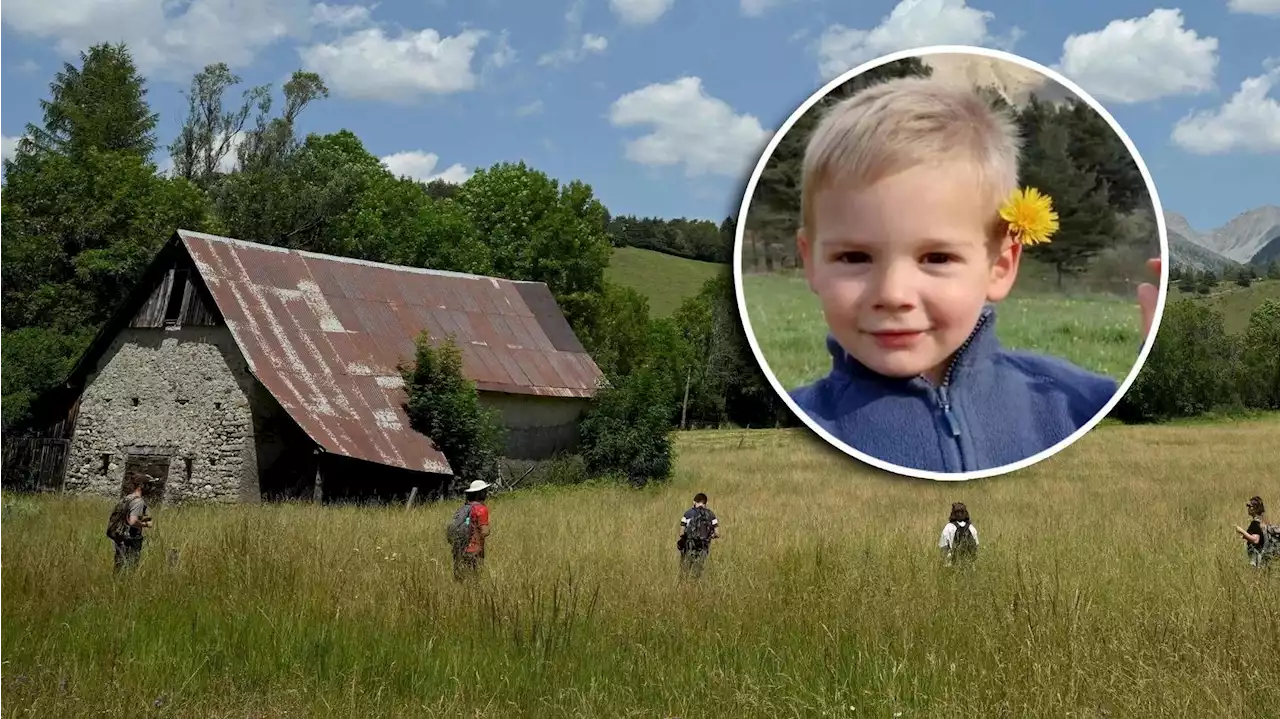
pixel 786 395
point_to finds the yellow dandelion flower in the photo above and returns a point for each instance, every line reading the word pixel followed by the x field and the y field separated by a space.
pixel 1030 215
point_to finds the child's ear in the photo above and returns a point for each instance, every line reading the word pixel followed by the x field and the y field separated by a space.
pixel 806 260
pixel 1004 269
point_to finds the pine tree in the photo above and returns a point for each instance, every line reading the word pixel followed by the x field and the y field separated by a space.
pixel 99 106
pixel 1087 221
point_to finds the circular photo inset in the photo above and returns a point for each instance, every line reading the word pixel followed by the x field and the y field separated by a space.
pixel 950 262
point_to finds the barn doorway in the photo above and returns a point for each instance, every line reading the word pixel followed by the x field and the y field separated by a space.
pixel 153 470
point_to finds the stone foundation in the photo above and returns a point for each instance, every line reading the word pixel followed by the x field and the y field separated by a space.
pixel 176 393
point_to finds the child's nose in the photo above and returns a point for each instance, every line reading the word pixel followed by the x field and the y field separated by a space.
pixel 896 288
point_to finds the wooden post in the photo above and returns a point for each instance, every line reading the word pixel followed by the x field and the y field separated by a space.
pixel 413 494
pixel 318 495
pixel 684 408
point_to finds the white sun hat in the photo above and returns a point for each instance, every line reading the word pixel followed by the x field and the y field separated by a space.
pixel 478 485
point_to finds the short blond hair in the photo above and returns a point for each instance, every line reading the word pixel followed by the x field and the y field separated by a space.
pixel 906 122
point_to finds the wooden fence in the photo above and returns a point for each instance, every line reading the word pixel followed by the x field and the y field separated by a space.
pixel 34 463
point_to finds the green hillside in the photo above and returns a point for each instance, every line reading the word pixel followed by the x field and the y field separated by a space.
pixel 665 279
pixel 1233 301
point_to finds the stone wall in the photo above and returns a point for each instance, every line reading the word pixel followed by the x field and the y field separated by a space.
pixel 537 427
pixel 184 393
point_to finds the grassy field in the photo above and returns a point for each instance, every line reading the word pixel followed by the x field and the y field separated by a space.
pixel 1099 333
pixel 1233 301
pixel 665 279
pixel 1110 584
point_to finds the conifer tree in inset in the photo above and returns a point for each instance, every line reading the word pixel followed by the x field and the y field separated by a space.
pixel 1087 223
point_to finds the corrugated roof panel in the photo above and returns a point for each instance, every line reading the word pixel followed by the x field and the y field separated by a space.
pixel 469 302
pixel 325 336
pixel 484 297
pixel 512 367
pixel 538 375
pixel 495 373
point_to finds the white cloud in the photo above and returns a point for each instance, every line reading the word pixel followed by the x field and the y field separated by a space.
pixel 370 65
pixel 577 44
pixel 689 127
pixel 340 16
pixel 756 8
pixel 590 45
pixel 166 38
pixel 912 23
pixel 640 12
pixel 532 108
pixel 503 54
pixel 1256 7
pixel 1249 121
pixel 421 166
pixel 8 146
pixel 1141 59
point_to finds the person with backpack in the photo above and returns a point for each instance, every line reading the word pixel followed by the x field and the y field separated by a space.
pixel 125 525
pixel 1256 540
pixel 468 531
pixel 698 527
pixel 959 541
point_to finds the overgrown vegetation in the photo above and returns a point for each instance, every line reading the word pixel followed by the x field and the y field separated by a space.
pixel 1197 367
pixel 825 595
pixel 444 405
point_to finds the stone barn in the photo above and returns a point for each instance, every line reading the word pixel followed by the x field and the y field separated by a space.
pixel 240 372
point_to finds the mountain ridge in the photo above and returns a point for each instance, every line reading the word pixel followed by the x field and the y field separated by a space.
pixel 1252 236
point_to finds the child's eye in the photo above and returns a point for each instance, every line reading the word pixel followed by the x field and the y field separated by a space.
pixel 937 258
pixel 853 257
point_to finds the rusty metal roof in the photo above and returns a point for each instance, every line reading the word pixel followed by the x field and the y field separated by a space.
pixel 325 334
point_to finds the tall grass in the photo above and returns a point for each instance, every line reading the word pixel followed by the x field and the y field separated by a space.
pixel 1100 333
pixel 1109 583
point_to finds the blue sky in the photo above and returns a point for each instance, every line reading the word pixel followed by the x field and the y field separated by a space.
pixel 663 105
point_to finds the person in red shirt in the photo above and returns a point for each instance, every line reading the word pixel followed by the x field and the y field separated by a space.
pixel 467 564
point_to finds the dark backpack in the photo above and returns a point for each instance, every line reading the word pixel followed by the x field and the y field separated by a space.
pixel 458 531
pixel 118 522
pixel 964 546
pixel 699 528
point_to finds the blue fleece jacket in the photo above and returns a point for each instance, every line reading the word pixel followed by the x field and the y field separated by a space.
pixel 993 408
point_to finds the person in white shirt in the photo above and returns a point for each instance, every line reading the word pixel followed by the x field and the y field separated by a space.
pixel 959 540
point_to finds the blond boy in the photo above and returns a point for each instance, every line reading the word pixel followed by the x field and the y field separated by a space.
pixel 904 244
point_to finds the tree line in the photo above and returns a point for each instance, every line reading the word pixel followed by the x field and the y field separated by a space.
pixel 1069 152
pixel 1197 367
pixel 1190 280
pixel 87 208
pixel 691 239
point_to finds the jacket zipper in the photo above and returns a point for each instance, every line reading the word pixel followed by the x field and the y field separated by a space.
pixel 942 393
